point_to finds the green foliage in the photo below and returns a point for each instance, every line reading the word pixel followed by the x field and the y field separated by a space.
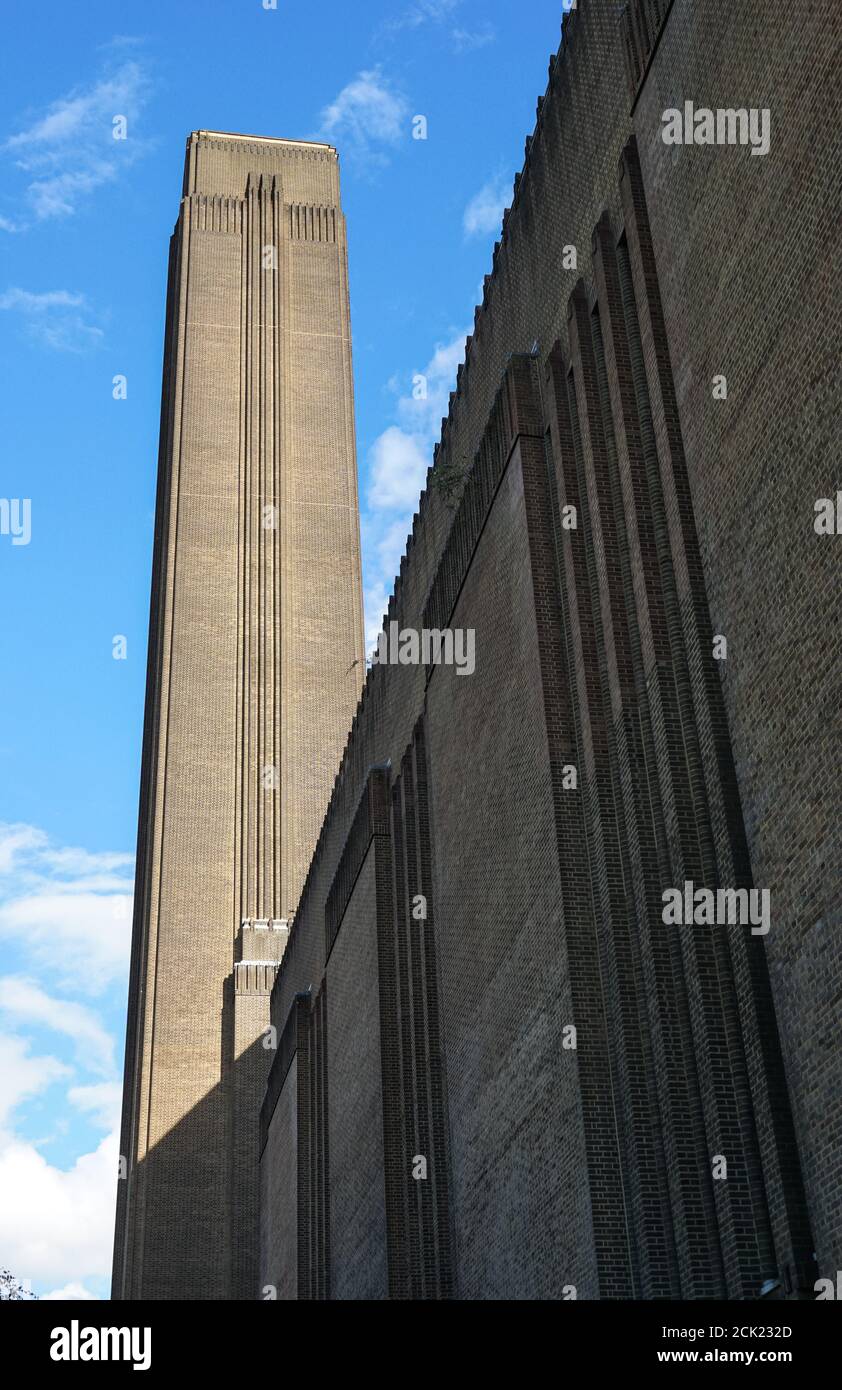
pixel 449 478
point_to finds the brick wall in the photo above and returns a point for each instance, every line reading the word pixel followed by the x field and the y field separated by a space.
pixel 592 1166
pixel 751 288
pixel 255 661
pixel 357 1186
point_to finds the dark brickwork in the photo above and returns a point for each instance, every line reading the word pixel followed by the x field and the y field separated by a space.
pixel 414 1085
pixel 358 1185
pixel 750 282
pixel 591 1167
pixel 643 21
pixel 313 1157
pixel 527 1116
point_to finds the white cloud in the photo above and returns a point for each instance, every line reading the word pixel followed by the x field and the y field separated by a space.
pixel 376 601
pixel 71 1293
pixel 58 196
pixel 436 10
pixel 422 12
pixel 397 466
pixel 121 42
pixel 466 40
pixel 69 910
pixel 15 840
pixel 69 150
pixel 26 1002
pixel 80 114
pixel 102 1101
pixel 57 1225
pixel 484 213
pixel 368 113
pixel 83 936
pixel 59 319
pixel 385 544
pixel 391 546
pixel 66 912
pixel 439 14
pixel 81 861
pixel 30 303
pixel 401 455
pixel 23 1076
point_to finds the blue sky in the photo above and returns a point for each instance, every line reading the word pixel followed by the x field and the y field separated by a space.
pixel 84 227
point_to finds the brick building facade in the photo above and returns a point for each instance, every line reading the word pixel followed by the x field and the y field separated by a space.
pixel 499 1073
pixel 255 667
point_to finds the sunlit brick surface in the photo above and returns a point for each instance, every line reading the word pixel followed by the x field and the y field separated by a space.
pixel 255 665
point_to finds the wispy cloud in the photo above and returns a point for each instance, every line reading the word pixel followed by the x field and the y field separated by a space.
pixel 368 117
pixel 58 319
pixel 69 150
pixel 484 213
pixel 22 1075
pixel 30 303
pixel 421 12
pixel 466 40
pixel 78 931
pixel 81 861
pixel 398 462
pixel 23 1001
pixel 17 841
pixel 71 908
pixel 121 42
pixel 102 1101
pixel 440 14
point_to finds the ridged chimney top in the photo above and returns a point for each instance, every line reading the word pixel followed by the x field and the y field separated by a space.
pixel 261 139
